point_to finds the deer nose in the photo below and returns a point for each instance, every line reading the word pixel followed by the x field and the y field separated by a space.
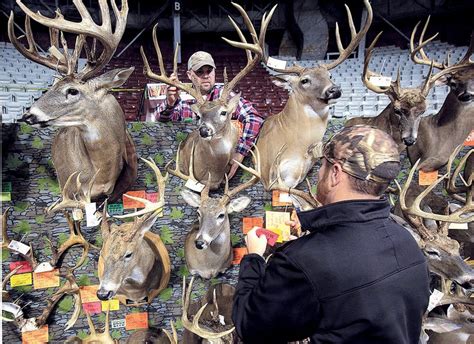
pixel 199 244
pixel 28 118
pixel 104 295
pixel 333 92
pixel 409 140
pixel 204 132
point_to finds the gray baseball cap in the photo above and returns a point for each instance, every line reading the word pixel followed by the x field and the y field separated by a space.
pixel 199 59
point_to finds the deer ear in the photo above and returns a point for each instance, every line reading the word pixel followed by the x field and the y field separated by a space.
pixel 111 79
pixel 238 204
pixel 195 109
pixel 443 80
pixel 192 198
pixel 283 81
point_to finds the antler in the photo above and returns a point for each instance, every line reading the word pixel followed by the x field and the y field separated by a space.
pixel 173 339
pixel 194 325
pixel 5 239
pixel 177 172
pixel 86 27
pixel 80 198
pixel 458 216
pixel 425 60
pixel 193 91
pixel 256 47
pixel 150 207
pixel 355 37
pixel 256 175
pixel 451 186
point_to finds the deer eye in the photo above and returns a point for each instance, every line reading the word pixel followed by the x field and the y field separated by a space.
pixel 432 253
pixel 128 255
pixel 221 216
pixel 72 92
pixel 304 81
pixel 398 112
pixel 223 113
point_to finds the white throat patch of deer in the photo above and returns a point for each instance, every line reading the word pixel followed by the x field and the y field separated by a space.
pixel 134 263
pixel 302 123
pixel 92 134
pixel 216 138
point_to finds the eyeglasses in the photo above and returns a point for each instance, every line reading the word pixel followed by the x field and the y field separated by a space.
pixel 201 71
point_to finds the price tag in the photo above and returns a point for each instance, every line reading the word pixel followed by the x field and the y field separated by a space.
pixel 39 336
pixel 129 203
pixel 19 280
pixel 7 187
pixel 280 199
pixel 276 220
pixel 276 63
pixel 134 321
pixel 25 266
pixel 112 305
pixel 89 293
pixel 5 196
pixel 381 81
pixel 115 209
pixel 249 222
pixel 19 247
pixel 91 218
pixel 44 267
pixel 239 253
pixel 152 196
pixel 77 214
pixel 464 226
pixel 46 279
pixel 194 185
pixel 277 232
pixel 427 178
pixel 435 298
pixel 470 139
pixel 271 236
pixel 92 307
pixel 118 323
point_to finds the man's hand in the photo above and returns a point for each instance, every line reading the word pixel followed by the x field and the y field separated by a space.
pixel 233 166
pixel 256 244
pixel 295 225
pixel 172 93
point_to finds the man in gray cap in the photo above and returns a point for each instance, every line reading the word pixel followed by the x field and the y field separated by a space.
pixel 202 72
pixel 357 277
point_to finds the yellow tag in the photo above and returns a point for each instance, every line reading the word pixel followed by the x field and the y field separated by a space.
pixel 427 178
pixel 114 305
pixel 285 232
pixel 21 279
pixel 277 231
pixel 276 220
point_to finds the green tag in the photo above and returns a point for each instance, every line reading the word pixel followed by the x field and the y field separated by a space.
pixel 6 197
pixel 188 120
pixel 7 187
pixel 115 209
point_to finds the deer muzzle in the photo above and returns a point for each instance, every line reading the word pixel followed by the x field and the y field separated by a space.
pixel 205 132
pixel 334 92
pixel 104 294
pixel 409 140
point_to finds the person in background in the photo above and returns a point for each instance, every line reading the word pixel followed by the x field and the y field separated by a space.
pixel 202 72
pixel 356 277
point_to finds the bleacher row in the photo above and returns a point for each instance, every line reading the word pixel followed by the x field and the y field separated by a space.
pixel 22 81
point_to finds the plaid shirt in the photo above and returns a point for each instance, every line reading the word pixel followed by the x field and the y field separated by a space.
pixel 244 113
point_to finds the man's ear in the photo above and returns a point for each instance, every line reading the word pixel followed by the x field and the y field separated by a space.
pixel 336 174
pixel 112 79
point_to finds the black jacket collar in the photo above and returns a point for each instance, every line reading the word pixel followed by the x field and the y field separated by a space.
pixel 342 212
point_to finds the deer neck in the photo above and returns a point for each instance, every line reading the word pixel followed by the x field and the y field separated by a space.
pixel 453 111
pixel 301 109
pixel 224 142
pixel 143 265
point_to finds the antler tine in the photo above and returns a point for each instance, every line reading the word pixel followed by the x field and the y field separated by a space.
pixel 150 207
pixel 425 60
pixel 207 188
pixel 193 91
pixel 451 183
pixel 467 57
pixel 254 47
pixel 425 89
pixel 367 73
pixel 177 172
pixel 31 52
pixel 173 339
pixel 5 239
pixel 7 277
pixel 256 175
pixel 194 326
pixel 355 38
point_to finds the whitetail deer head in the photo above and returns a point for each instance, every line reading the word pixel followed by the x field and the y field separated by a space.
pixel 154 335
pixel 208 248
pixel 216 137
pixel 441 251
pixel 131 265
pixel 211 315
pixel 407 105
pixel 79 102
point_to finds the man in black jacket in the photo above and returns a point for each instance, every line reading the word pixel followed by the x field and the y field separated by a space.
pixel 356 277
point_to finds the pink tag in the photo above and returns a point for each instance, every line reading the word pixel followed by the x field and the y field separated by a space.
pixel 271 236
pixel 92 307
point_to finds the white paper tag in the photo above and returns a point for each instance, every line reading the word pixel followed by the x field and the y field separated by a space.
pixel 12 308
pixel 29 325
pixel 285 197
pixel 435 298
pixel 19 247
pixel 91 218
pixel 118 323
pixel 453 225
pixel 44 267
pixel 381 81
pixel 276 63
pixel 221 320
pixel 77 214
pixel 194 185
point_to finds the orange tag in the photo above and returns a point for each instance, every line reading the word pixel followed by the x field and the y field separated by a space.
pixel 238 124
pixel 47 279
pixel 38 336
pixel 249 222
pixel 134 321
pixel 89 293
pixel 277 199
pixel 470 139
pixel 239 253
pixel 129 203
pixel 427 178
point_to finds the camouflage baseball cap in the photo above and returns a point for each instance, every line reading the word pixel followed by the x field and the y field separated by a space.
pixel 361 149
pixel 199 59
